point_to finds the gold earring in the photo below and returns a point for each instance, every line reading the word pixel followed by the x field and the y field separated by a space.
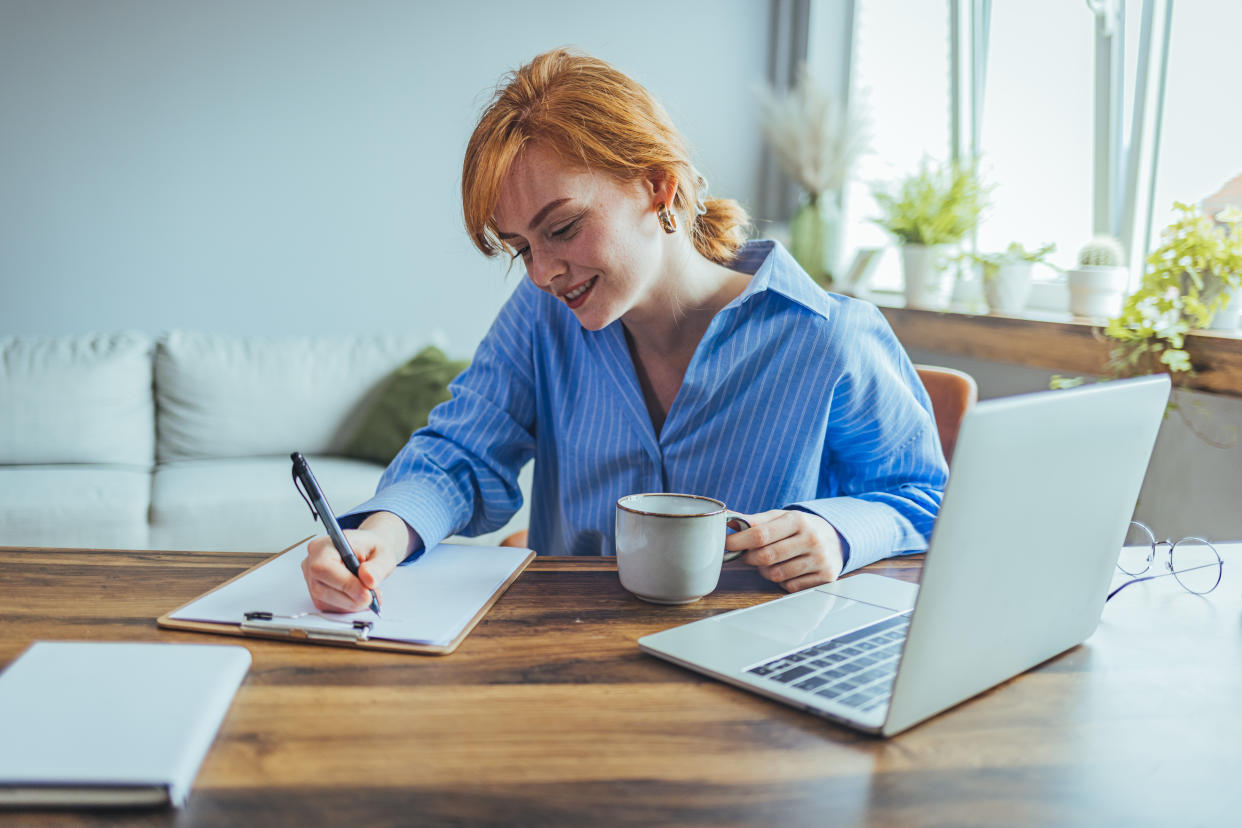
pixel 668 219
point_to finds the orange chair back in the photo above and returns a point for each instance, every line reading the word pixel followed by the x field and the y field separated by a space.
pixel 952 393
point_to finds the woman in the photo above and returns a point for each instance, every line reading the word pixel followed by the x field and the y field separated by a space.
pixel 651 349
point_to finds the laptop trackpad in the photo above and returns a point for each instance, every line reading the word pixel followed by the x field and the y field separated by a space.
pixel 805 618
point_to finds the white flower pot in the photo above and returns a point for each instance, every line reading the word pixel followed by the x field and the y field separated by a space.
pixel 1229 317
pixel 1097 291
pixel 1009 288
pixel 927 283
pixel 967 289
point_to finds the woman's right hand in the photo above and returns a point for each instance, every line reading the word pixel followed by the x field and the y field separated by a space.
pixel 379 544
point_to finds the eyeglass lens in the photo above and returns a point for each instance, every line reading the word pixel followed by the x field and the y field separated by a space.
pixel 1139 552
pixel 1194 562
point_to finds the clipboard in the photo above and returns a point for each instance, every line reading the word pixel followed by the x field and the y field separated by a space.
pixel 432 601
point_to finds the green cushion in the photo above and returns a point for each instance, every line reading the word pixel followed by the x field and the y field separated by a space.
pixel 403 405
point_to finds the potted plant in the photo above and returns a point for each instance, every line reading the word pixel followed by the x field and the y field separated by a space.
pixel 816 139
pixel 1190 278
pixel 1098 285
pixel 1007 275
pixel 933 208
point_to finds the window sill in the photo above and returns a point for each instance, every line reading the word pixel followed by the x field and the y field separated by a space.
pixel 1054 342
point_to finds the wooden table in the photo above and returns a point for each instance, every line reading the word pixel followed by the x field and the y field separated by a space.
pixel 550 714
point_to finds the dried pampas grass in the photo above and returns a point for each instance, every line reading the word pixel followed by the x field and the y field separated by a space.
pixel 816 137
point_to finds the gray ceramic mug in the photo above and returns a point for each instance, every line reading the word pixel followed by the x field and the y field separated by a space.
pixel 670 546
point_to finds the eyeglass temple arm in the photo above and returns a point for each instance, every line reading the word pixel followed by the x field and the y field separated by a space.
pixel 1133 581
pixel 1160 575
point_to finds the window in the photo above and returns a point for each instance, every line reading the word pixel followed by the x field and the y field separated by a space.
pixel 1037 125
pixel 1201 144
pixel 1069 127
pixel 901 79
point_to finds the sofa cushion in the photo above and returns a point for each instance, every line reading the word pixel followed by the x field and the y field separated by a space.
pixel 77 399
pixel 403 403
pixel 248 504
pixel 84 507
pixel 243 396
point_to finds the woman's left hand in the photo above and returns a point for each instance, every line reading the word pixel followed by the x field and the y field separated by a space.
pixel 795 549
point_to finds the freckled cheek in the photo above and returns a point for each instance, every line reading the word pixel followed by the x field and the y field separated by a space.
pixel 592 259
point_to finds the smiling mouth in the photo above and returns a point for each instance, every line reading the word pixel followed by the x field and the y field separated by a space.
pixel 574 297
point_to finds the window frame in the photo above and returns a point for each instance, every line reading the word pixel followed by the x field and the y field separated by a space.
pixel 821 33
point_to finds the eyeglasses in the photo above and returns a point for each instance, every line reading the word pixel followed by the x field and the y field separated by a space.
pixel 1194 562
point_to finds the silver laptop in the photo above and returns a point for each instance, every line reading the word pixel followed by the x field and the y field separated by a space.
pixel 1033 519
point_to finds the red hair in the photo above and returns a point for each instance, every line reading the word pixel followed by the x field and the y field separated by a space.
pixel 590 114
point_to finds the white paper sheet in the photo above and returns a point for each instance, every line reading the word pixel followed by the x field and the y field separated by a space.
pixel 428 601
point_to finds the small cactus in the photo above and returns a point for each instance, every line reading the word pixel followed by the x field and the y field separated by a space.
pixel 1102 251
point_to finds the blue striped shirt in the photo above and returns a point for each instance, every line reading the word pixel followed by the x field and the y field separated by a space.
pixel 795 398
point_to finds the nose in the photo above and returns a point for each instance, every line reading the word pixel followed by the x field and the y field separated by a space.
pixel 543 269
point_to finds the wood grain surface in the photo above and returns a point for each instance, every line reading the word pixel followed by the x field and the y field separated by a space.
pixel 1071 345
pixel 550 714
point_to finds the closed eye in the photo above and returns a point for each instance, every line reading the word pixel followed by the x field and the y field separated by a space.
pixel 565 230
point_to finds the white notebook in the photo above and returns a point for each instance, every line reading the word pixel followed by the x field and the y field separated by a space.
pixel 121 724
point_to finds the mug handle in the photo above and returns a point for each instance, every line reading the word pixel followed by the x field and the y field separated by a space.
pixel 734 517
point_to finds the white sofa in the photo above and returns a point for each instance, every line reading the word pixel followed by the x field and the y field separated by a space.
pixel 182 441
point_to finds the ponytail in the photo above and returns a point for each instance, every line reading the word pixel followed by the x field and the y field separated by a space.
pixel 720 231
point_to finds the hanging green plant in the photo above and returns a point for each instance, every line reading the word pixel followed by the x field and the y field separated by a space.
pixel 1189 278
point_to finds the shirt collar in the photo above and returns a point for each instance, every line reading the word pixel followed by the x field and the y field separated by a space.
pixel 774 269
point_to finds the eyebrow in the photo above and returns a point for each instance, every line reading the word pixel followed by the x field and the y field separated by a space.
pixel 539 217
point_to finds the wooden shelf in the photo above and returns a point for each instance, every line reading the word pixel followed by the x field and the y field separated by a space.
pixel 1069 345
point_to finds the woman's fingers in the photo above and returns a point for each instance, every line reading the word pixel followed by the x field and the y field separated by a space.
pixel 813 574
pixel 332 587
pixel 793 548
pixel 764 541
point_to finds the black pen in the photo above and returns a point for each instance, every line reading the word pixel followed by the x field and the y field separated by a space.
pixel 313 495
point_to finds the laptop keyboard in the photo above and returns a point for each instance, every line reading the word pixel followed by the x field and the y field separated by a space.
pixel 856 669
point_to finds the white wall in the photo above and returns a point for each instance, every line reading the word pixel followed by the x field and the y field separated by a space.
pixel 281 167
pixel 260 166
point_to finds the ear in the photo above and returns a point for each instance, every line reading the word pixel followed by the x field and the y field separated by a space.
pixel 663 187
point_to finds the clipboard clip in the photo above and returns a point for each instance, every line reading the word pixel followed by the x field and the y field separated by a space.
pixel 292 626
